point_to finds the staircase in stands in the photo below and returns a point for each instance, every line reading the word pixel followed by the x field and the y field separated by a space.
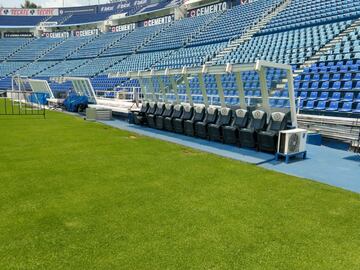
pixel 19 48
pixel 322 51
pixel 68 55
pixel 198 31
pixel 329 46
pixel 143 44
pixel 249 32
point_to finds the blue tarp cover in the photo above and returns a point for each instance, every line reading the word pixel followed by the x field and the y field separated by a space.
pixel 72 102
pixel 39 98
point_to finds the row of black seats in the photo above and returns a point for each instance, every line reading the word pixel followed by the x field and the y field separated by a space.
pixel 225 125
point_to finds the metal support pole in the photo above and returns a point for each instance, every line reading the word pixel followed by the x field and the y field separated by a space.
pixel 264 91
pixel 240 86
pixel 174 87
pixel 152 90
pixel 203 89
pixel 290 79
pixel 143 89
pixel 162 89
pixel 188 90
pixel 220 90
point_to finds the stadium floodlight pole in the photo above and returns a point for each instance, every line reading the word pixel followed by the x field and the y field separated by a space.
pixel 187 85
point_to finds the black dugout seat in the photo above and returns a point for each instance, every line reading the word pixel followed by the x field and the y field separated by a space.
pixel 159 120
pixel 151 110
pixel 215 131
pixel 231 132
pixel 199 114
pixel 158 112
pixel 177 112
pixel 178 123
pixel 140 116
pixel 210 118
pixel 267 140
pixel 247 136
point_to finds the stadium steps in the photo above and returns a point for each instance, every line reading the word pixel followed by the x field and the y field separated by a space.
pixel 48 50
pixel 322 51
pixel 101 52
pixel 330 45
pixel 192 36
pixel 71 53
pixel 143 44
pixel 108 46
pixel 205 27
pixel 19 48
pixel 82 46
pixel 248 33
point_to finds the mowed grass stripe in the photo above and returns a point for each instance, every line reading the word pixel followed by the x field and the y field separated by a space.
pixel 81 195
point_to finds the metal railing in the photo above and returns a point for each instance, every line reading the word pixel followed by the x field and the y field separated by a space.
pixel 126 93
pixel 21 103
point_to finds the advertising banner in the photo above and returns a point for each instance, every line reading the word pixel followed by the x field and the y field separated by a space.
pixel 244 2
pixel 121 28
pixel 18 35
pixel 78 10
pixel 29 12
pixel 125 4
pixel 208 9
pixel 56 34
pixel 48 24
pixel 83 33
pixel 157 21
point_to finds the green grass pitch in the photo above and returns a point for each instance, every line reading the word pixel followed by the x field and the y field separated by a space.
pixel 81 195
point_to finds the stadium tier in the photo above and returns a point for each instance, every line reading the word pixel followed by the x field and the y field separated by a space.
pixel 319 38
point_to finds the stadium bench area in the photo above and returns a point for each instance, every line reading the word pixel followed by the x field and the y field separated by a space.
pixel 329 86
pixel 239 127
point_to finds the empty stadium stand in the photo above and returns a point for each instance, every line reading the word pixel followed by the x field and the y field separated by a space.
pixel 319 38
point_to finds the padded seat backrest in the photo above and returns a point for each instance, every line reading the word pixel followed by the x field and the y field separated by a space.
pixel 278 121
pixel 211 115
pixel 178 109
pixel 199 114
pixel 144 107
pixel 258 120
pixel 160 109
pixel 152 108
pixel 224 118
pixel 188 112
pixel 168 110
pixel 241 118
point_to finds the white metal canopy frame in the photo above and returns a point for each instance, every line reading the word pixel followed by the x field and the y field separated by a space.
pixel 41 86
pixel 169 79
pixel 82 86
pixel 22 84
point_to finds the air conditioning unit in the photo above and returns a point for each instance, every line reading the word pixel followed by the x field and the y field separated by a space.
pixel 292 141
